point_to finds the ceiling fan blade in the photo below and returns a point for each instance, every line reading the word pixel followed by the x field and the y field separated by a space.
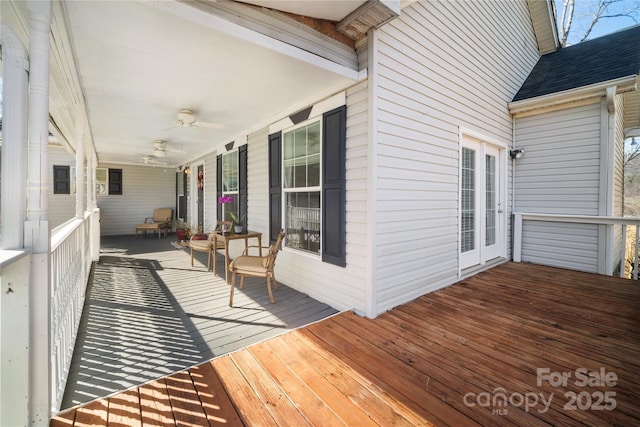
pixel 209 125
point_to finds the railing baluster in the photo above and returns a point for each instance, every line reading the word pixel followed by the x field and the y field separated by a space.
pixel 69 275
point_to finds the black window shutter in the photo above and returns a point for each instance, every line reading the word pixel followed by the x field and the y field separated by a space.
pixel 275 186
pixel 242 183
pixel 61 180
pixel 219 186
pixel 115 181
pixel 334 128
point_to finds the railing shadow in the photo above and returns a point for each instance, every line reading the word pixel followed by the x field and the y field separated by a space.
pixel 149 314
pixel 132 331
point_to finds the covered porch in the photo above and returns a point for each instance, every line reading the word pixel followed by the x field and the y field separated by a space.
pixel 520 344
pixel 148 314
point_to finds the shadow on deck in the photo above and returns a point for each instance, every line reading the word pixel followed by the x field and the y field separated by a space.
pixel 148 314
pixel 466 355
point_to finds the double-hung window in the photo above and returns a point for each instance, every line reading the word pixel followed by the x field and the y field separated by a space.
pixel 307 185
pixel 230 179
pixel 301 186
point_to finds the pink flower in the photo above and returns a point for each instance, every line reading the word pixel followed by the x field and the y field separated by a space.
pixel 225 199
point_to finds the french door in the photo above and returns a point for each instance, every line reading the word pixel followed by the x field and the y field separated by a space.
pixel 481 202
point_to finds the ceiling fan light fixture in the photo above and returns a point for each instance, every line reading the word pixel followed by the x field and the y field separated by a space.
pixel 159 153
pixel 186 117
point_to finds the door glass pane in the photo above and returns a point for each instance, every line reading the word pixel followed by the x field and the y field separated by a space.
pixel 468 213
pixel 490 197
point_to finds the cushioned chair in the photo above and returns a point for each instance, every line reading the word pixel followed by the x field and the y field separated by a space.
pixel 256 266
pixel 209 245
pixel 160 222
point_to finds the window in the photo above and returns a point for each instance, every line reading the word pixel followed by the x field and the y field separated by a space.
pixel 61 180
pixel 307 186
pixel 230 183
pixel 115 181
pixel 301 178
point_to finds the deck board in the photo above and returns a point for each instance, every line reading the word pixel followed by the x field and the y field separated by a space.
pixel 415 364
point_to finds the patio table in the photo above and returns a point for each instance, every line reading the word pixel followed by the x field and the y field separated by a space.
pixel 227 238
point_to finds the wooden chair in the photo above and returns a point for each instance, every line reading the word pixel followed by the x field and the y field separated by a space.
pixel 256 266
pixel 209 245
pixel 160 222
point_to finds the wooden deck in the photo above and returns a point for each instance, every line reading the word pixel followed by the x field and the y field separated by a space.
pixel 465 355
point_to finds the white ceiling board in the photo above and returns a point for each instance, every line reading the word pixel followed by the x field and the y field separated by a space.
pixel 140 65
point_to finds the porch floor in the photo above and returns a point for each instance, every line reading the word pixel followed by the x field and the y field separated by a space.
pixel 148 314
pixel 465 355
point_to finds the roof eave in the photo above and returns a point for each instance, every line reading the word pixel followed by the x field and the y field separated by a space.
pixel 571 96
pixel 544 25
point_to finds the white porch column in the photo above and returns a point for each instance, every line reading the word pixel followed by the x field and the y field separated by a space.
pixel 80 207
pixel 15 65
pixel 37 233
pixel 14 265
pixel 91 204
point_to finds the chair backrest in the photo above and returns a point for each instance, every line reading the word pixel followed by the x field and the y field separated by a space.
pixel 219 224
pixel 273 251
pixel 162 214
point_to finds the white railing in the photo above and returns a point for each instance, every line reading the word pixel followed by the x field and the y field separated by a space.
pixel 580 219
pixel 70 267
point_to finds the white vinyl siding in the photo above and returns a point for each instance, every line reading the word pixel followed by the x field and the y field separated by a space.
pixel 143 190
pixel 258 183
pixel 441 66
pixel 560 174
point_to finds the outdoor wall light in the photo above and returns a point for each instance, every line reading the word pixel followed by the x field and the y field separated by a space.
pixel 516 154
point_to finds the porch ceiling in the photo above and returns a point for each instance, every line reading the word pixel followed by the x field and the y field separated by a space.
pixel 140 63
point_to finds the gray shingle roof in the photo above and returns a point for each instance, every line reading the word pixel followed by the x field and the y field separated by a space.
pixel 599 60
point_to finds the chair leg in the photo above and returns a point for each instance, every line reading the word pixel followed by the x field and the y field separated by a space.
pixel 233 284
pixel 215 261
pixel 241 281
pixel 269 289
pixel 209 260
pixel 275 284
pixel 191 257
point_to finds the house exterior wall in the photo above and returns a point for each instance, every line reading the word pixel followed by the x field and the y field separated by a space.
pixel 143 190
pixel 440 67
pixel 344 288
pixel 560 174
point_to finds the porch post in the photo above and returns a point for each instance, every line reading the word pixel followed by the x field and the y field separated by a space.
pixel 14 274
pixel 37 235
pixel 15 66
pixel 91 204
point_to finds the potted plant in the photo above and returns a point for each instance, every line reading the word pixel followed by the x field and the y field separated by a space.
pixel 237 222
pixel 200 234
pixel 183 231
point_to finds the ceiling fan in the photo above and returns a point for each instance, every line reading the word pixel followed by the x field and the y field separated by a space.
pixel 187 119
pixel 150 160
pixel 160 148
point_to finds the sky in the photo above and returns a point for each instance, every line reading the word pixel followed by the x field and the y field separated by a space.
pixel 584 11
